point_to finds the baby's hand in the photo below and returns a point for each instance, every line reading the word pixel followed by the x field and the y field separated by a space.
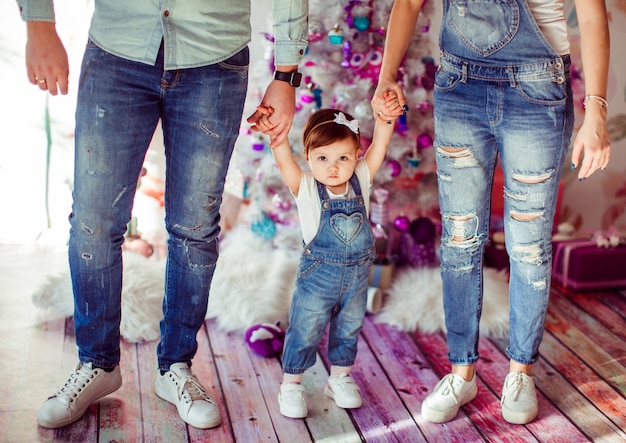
pixel 263 124
pixel 392 104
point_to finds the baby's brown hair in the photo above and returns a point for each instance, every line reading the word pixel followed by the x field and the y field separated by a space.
pixel 322 130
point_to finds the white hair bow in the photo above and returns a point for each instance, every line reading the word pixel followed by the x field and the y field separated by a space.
pixel 341 119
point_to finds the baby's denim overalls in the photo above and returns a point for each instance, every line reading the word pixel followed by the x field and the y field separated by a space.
pixel 500 88
pixel 331 285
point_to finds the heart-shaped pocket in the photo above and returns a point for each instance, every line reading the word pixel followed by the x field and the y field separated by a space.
pixel 346 227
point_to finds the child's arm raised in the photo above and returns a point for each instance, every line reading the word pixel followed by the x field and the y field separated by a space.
pixel 289 169
pixel 375 154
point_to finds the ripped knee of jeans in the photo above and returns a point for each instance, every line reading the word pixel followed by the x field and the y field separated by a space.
pixel 463 230
pixel 532 190
pixel 463 157
pixel 528 253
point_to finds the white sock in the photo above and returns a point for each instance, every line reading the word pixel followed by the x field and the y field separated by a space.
pixel 292 378
pixel 336 371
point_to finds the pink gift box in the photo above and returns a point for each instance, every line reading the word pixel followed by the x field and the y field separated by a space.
pixel 582 265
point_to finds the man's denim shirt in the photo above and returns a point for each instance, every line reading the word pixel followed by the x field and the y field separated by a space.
pixel 194 32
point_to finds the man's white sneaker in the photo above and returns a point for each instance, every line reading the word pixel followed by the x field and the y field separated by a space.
pixel 344 391
pixel 447 397
pixel 181 387
pixel 85 385
pixel 291 400
pixel 519 399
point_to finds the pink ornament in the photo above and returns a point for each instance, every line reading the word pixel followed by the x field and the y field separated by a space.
pixel 424 106
pixel 307 98
pixel 402 223
pixel 395 167
pixel 424 140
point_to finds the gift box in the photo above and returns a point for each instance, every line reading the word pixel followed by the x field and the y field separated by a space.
pixel 496 256
pixel 381 274
pixel 581 265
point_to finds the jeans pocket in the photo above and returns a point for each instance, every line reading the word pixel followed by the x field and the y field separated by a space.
pixel 446 80
pixel 237 62
pixel 307 267
pixel 542 92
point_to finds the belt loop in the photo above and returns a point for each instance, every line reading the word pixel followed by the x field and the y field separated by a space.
pixel 464 73
pixel 461 7
pixel 511 72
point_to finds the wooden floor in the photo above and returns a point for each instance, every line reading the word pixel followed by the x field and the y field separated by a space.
pixel 581 378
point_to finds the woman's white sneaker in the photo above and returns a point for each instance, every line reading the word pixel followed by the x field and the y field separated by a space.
pixel 519 399
pixel 452 392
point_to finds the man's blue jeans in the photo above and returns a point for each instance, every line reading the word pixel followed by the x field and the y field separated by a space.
pixel 119 105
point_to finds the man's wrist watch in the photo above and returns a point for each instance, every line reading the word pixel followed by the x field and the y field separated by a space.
pixel 293 78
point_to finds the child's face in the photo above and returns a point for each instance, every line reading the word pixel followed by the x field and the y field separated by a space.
pixel 333 165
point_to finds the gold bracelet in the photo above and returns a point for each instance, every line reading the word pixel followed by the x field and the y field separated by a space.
pixel 603 103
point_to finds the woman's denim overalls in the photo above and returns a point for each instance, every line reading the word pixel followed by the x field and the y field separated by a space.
pixel 331 285
pixel 500 88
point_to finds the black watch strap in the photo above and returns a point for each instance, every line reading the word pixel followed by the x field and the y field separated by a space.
pixel 293 78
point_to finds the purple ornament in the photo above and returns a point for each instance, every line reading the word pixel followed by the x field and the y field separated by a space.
pixel 395 167
pixel 402 223
pixel 402 127
pixel 424 140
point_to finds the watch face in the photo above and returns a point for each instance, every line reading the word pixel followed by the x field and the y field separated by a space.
pixel 296 79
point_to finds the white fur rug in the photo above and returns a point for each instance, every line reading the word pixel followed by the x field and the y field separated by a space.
pixel 415 301
pixel 253 283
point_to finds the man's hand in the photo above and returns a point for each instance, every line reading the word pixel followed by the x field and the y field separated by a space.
pixel 280 97
pixel 46 59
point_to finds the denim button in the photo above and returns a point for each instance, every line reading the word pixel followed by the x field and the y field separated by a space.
pixel 326 205
pixel 560 80
pixel 558 65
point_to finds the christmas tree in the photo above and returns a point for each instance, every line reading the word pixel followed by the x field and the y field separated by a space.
pixel 340 70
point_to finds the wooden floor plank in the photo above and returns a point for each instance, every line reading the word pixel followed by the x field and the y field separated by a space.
pixel 569 401
pixel 616 300
pixel 382 417
pixel 585 379
pixel 580 378
pixel 161 421
pixel 28 347
pixel 484 411
pixel 248 413
pixel 120 412
pixel 550 425
pixel 605 314
pixel 325 421
pixel 593 328
pixel 607 367
pixel 203 365
pixel 86 428
pixel 413 378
